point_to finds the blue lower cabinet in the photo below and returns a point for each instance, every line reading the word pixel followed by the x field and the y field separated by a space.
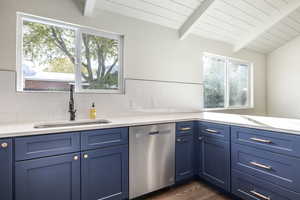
pixel 275 168
pixel 216 162
pixel 50 178
pixel 253 188
pixel 184 158
pixel 104 173
pixel 198 140
pixel 6 169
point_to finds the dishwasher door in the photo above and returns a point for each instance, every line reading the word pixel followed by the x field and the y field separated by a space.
pixel 151 158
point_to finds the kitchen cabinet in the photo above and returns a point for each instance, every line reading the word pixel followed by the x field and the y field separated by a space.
pixel 198 138
pixel 56 177
pixel 6 169
pixel 265 164
pixel 213 154
pixel 184 157
pixel 250 187
pixel 184 151
pixel 105 173
pixel 216 162
pixel 87 165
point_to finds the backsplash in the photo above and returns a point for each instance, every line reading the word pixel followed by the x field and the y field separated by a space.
pixel 140 96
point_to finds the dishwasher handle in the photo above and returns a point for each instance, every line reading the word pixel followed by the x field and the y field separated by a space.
pixel 153 132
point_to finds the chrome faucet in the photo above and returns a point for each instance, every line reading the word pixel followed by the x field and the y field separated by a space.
pixel 72 110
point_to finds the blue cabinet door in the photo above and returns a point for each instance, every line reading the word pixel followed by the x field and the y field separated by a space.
pixel 198 140
pixel 50 178
pixel 184 157
pixel 216 162
pixel 6 169
pixel 105 173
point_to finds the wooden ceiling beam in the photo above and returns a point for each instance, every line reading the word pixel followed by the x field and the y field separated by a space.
pixel 89 7
pixel 188 25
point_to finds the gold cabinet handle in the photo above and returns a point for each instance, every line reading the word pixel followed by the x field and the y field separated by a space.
pixel 260 195
pixel 4 145
pixel 75 157
pixel 261 140
pixel 211 131
pixel 185 129
pixel 85 156
pixel 181 140
pixel 261 165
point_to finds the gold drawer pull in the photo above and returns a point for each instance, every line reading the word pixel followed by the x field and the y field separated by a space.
pixel 211 131
pixel 261 165
pixel 261 140
pixel 4 145
pixel 75 157
pixel 185 129
pixel 260 195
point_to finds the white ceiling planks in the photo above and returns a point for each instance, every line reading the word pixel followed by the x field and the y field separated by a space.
pixel 193 4
pixel 122 7
pixel 274 18
pixel 260 25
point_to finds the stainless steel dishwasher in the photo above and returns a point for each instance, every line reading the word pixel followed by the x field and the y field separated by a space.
pixel 151 158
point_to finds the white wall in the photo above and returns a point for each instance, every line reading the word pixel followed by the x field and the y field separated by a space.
pixel 151 52
pixel 284 80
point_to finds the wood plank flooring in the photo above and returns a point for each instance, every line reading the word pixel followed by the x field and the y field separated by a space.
pixel 193 190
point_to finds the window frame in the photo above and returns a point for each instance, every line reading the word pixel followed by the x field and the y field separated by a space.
pixel 250 100
pixel 21 17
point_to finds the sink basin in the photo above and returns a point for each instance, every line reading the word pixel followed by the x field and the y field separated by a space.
pixel 71 123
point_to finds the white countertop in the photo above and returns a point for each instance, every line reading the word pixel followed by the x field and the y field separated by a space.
pixel 285 125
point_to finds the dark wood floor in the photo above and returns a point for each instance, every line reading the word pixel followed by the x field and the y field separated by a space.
pixel 193 190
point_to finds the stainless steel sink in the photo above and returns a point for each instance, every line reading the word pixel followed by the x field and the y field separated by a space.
pixel 71 123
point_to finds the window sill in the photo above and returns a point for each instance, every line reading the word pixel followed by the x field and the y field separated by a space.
pixel 76 92
pixel 231 108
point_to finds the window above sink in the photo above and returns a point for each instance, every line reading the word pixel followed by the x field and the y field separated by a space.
pixel 52 54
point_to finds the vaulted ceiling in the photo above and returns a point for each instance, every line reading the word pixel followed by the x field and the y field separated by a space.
pixel 259 25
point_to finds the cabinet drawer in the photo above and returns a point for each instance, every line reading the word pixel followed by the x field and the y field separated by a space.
pixel 184 128
pixel 267 140
pixel 46 145
pixel 103 138
pixel 276 168
pixel 251 188
pixel 217 131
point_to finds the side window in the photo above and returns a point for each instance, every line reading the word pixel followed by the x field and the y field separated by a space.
pixel 227 82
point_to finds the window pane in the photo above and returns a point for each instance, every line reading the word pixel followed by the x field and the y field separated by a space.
pixel 238 74
pixel 214 82
pixel 48 57
pixel 99 62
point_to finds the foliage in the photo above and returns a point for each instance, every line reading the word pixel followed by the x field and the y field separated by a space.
pixel 214 91
pixel 63 65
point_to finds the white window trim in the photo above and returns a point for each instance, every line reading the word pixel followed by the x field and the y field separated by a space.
pixel 226 89
pixel 79 29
